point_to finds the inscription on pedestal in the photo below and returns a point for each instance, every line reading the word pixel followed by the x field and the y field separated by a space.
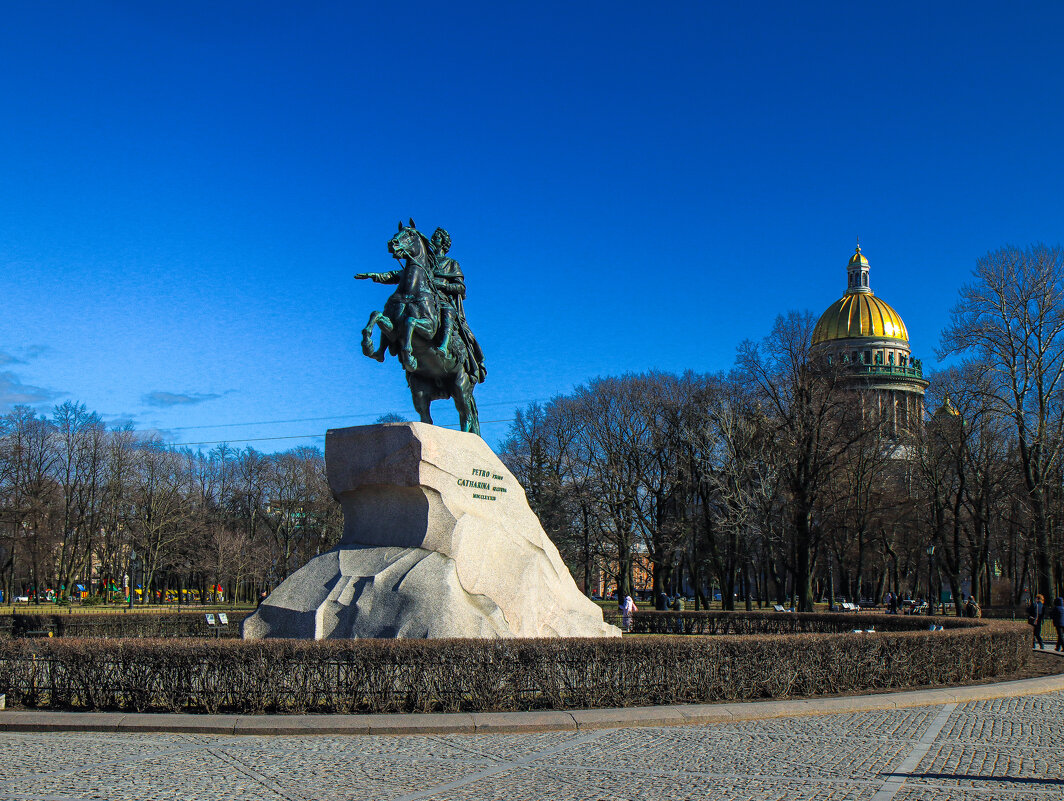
pixel 484 481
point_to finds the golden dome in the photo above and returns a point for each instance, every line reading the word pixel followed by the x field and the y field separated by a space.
pixel 859 314
pixel 858 258
pixel 948 408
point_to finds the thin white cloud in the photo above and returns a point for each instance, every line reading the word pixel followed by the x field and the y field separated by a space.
pixel 14 393
pixel 25 354
pixel 31 352
pixel 164 400
pixel 120 420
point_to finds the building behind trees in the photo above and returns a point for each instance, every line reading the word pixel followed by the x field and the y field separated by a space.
pixel 811 471
pixel 825 465
pixel 92 512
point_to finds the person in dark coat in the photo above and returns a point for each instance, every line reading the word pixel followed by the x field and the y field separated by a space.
pixel 1057 616
pixel 1036 612
pixel 677 605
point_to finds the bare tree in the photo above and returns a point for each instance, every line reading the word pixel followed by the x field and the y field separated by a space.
pixel 80 454
pixel 28 456
pixel 544 452
pixel 1011 319
pixel 120 475
pixel 814 418
pixel 161 513
pixel 743 482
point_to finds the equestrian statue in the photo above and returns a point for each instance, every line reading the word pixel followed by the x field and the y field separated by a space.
pixel 424 324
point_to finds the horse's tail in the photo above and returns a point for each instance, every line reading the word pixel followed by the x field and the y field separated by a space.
pixel 437 387
pixel 474 416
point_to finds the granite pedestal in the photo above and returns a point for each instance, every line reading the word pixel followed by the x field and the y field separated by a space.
pixel 438 541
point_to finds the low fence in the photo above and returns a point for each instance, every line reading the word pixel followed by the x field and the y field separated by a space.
pixel 746 623
pixel 161 624
pixel 357 676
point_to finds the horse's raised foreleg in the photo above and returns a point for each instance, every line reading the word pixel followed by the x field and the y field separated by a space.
pixel 367 333
pixel 376 319
pixel 412 325
pixel 367 336
pixel 387 335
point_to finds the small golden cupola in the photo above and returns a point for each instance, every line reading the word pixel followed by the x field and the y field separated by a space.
pixel 859 314
pixel 857 272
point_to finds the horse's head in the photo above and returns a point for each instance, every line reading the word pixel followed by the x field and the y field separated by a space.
pixel 410 243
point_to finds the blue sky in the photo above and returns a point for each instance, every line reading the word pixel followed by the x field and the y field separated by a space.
pixel 188 188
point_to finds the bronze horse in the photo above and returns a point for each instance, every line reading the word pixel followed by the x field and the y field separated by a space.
pixel 409 326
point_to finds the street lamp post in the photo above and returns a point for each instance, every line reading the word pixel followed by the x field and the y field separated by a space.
pixel 33 561
pixel 930 578
pixel 831 580
pixel 132 556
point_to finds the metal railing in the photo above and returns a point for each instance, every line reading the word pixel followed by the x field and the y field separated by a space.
pixel 887 371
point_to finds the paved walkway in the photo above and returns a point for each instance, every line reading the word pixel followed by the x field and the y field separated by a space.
pixel 1009 748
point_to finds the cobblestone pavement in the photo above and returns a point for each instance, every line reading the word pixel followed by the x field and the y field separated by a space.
pixel 1010 749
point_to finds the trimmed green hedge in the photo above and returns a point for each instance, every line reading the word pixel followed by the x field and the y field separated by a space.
pixel 356 676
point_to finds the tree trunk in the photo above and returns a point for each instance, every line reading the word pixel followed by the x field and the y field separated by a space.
pixel 803 587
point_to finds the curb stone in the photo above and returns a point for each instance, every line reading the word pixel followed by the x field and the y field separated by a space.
pixel 512 722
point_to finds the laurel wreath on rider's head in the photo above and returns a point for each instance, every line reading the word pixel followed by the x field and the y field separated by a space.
pixel 441 241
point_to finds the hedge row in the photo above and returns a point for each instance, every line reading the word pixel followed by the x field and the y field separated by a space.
pixel 746 623
pixel 357 676
pixel 163 624
pixel 193 624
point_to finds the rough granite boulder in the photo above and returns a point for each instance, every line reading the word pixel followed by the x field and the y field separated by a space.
pixel 439 541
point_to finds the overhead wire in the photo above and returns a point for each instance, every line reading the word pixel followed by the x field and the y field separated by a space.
pixel 360 415
pixel 304 436
pixel 354 416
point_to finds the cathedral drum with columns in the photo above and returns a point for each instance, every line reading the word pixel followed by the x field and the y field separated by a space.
pixel 867 337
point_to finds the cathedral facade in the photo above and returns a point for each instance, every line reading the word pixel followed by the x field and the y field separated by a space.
pixel 866 338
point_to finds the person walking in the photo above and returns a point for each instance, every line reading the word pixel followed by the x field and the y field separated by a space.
pixel 1036 612
pixel 628 608
pixel 678 605
pixel 1056 614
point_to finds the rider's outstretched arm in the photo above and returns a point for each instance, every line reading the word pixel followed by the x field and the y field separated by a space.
pixel 382 278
